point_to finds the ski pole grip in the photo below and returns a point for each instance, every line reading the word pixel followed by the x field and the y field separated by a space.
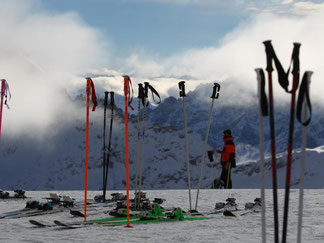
pixel 263 97
pixel 146 87
pixel 295 58
pixel 140 91
pixel 106 98
pixel 216 90
pixel 182 92
pixel 269 52
pixel 145 94
pixel 112 99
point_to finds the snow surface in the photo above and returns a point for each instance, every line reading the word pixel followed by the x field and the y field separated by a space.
pixel 218 229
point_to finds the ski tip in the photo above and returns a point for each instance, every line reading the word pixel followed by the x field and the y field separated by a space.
pixel 228 213
pixel 59 223
pixel 36 223
pixel 76 213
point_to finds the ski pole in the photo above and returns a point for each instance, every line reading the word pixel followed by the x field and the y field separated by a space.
pixel 211 160
pixel 303 101
pixel 4 94
pixel 269 68
pixel 295 73
pixel 90 85
pixel 128 93
pixel 214 96
pixel 140 99
pixel 228 175
pixel 112 103
pixel 145 96
pixel 263 111
pixel 182 94
pixel 104 149
pixel 3 85
pixel 147 88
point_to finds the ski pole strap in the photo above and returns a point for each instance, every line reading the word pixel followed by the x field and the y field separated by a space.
pixel 303 96
pixel 93 94
pixel 216 90
pixel 182 92
pixel 282 75
pixel 112 99
pixel 154 92
pixel 263 97
pixel 128 90
pixel 5 92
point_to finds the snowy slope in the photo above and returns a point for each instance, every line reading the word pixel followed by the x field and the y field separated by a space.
pixel 216 229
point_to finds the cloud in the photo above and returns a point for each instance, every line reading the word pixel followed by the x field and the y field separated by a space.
pixel 285 7
pixel 41 54
pixel 238 7
pixel 239 53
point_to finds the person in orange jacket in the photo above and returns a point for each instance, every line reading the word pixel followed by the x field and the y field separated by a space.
pixel 227 158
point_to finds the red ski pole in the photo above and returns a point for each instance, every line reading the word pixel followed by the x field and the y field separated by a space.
pixel 128 100
pixel 3 87
pixel 94 100
pixel 269 68
pixel 295 73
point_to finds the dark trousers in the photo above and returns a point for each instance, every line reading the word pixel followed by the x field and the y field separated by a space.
pixel 226 175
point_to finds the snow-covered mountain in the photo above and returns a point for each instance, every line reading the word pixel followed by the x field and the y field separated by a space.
pixel 57 161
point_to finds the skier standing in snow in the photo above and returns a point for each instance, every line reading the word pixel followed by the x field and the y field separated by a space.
pixel 227 159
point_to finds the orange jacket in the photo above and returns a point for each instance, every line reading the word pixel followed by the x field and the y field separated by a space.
pixel 228 152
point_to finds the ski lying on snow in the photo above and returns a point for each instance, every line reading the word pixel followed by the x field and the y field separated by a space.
pixel 132 221
pixel 155 217
pixel 231 214
pixel 39 224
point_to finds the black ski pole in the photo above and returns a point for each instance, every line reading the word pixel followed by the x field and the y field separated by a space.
pixel 104 149
pixel 295 73
pixel 112 103
pixel 269 68
pixel 145 103
pixel 140 99
pixel 303 103
pixel 182 94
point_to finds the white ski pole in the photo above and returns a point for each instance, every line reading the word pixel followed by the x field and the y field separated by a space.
pixel 303 155
pixel 214 96
pixel 183 95
pixel 263 111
